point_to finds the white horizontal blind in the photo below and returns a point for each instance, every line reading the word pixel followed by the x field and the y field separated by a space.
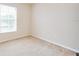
pixel 7 19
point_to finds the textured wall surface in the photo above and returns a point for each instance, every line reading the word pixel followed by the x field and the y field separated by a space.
pixel 57 23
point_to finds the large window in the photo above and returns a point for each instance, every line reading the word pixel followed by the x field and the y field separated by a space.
pixel 7 19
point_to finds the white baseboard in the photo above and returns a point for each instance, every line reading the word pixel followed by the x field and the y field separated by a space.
pixel 65 47
pixel 24 35
pixel 13 38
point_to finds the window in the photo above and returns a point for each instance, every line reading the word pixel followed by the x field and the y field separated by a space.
pixel 7 19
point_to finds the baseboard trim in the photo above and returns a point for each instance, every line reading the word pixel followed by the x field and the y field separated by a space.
pixel 22 36
pixel 14 38
pixel 65 47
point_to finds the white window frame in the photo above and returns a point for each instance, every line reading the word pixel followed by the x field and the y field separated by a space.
pixel 8 13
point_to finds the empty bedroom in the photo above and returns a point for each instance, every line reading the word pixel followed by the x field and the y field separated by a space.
pixel 39 29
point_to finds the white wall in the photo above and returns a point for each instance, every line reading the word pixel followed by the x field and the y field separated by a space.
pixel 57 23
pixel 23 19
pixel 54 22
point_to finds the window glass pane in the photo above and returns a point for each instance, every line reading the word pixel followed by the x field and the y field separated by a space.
pixel 7 19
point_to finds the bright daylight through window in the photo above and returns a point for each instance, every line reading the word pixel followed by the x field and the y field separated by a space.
pixel 8 16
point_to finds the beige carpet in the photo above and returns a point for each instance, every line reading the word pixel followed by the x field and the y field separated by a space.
pixel 29 46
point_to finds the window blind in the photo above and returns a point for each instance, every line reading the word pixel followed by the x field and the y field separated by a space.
pixel 7 19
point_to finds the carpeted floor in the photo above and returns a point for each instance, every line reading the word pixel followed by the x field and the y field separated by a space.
pixel 30 46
